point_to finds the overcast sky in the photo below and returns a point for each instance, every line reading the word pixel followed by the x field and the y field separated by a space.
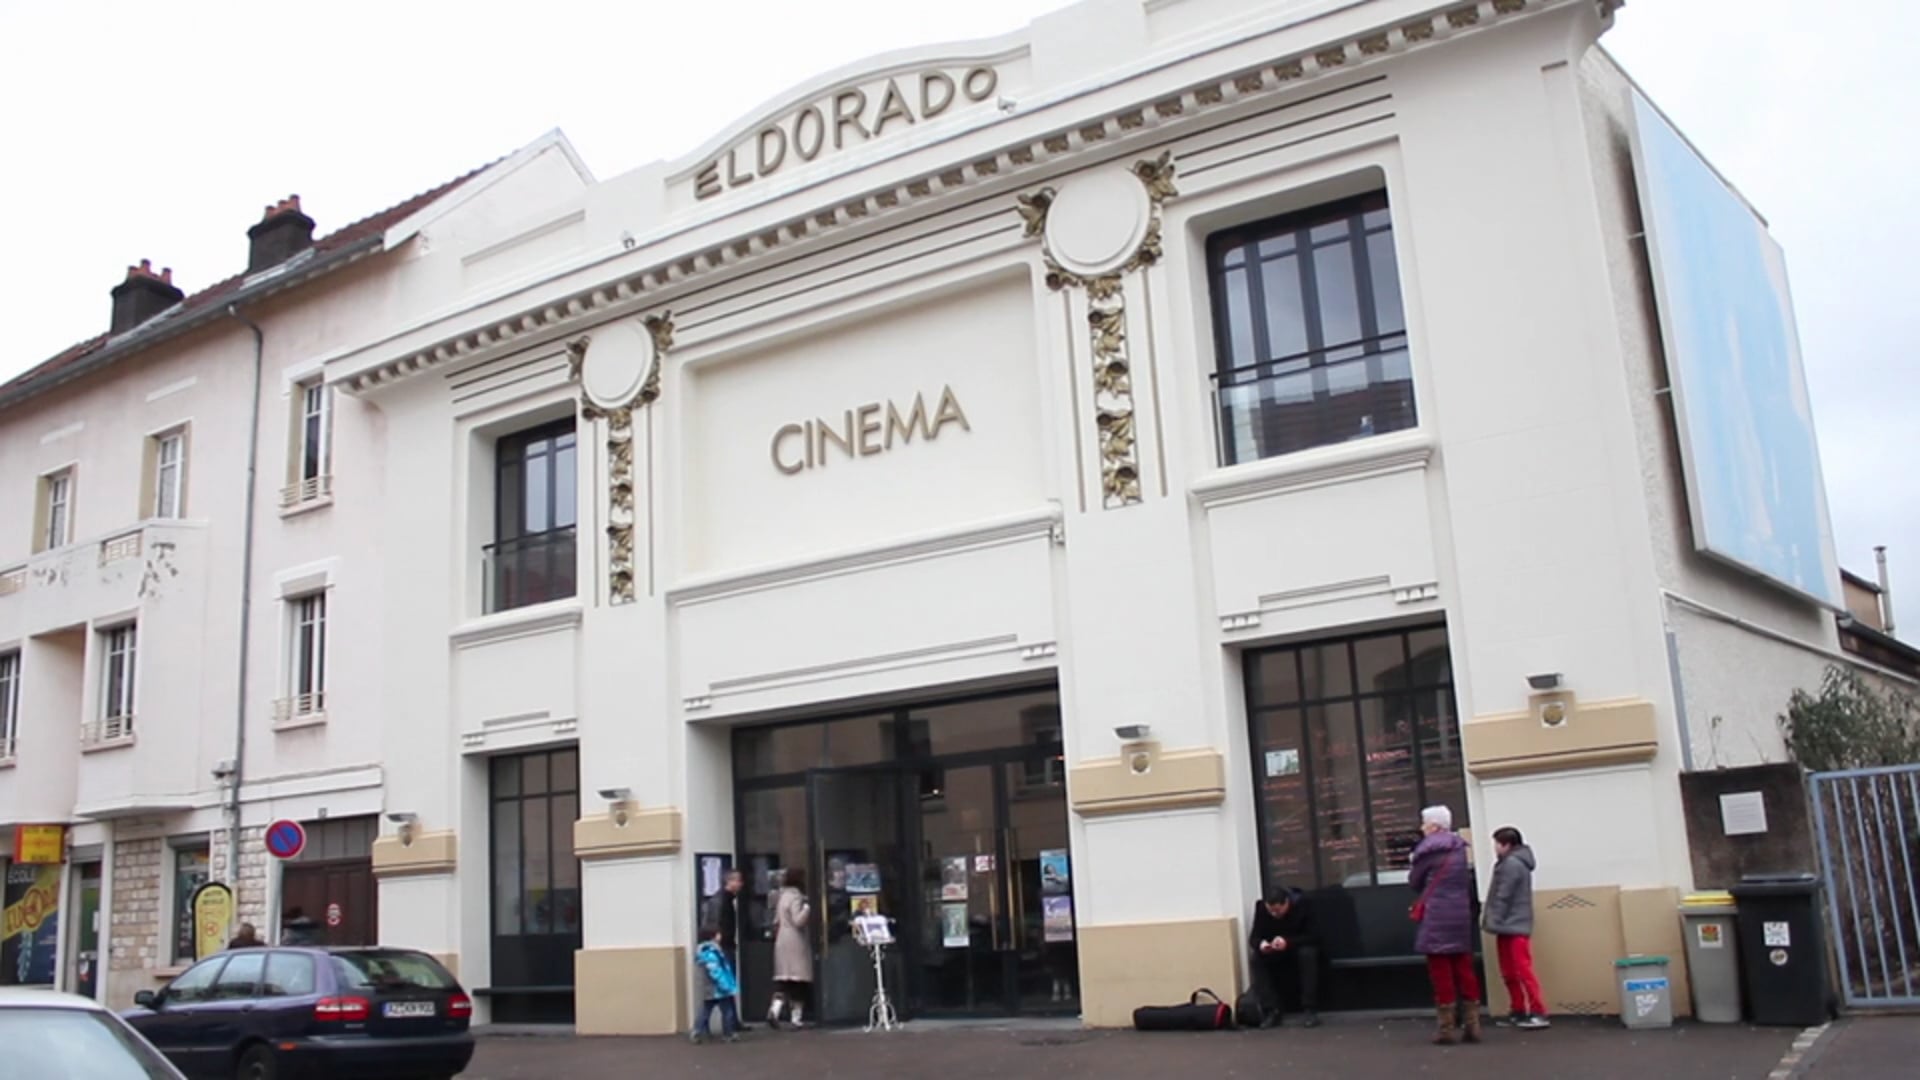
pixel 148 130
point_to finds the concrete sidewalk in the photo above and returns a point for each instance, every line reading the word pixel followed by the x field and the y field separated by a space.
pixel 1575 1049
pixel 1864 1048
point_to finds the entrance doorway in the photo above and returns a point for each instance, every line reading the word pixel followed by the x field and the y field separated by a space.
pixel 83 970
pixel 950 819
pixel 327 894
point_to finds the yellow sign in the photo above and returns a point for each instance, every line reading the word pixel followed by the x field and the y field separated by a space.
pixel 40 844
pixel 38 903
pixel 212 918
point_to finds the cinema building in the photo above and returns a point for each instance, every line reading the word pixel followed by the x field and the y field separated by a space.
pixel 1048 489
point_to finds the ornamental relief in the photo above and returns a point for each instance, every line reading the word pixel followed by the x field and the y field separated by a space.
pixel 618 375
pixel 1095 230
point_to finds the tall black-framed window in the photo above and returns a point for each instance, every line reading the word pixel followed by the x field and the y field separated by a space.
pixel 532 558
pixel 536 912
pixel 1352 737
pixel 1309 330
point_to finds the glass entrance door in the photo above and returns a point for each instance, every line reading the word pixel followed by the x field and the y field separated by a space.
pixel 85 974
pixel 997 930
pixel 860 866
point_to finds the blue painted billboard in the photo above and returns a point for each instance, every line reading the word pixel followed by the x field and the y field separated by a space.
pixel 1747 442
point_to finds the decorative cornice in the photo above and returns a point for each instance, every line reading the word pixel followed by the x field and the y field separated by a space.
pixel 1093 135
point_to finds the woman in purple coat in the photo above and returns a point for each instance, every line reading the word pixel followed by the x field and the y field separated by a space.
pixel 1443 881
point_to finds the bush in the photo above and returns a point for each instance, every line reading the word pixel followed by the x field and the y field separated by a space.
pixel 1850 725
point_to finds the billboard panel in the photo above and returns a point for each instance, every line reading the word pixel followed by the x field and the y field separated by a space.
pixel 1747 444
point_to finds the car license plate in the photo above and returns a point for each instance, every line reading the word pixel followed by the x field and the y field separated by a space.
pixel 400 1010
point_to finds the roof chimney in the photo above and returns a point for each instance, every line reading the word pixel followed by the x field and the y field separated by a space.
pixel 283 232
pixel 142 296
pixel 1886 591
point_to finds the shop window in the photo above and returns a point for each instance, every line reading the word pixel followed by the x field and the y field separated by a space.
pixel 1352 738
pixel 1310 335
pixel 191 869
pixel 532 558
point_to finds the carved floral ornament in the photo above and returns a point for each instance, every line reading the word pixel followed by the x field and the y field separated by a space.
pixel 618 374
pixel 1096 229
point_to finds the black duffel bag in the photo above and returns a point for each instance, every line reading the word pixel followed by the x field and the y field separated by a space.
pixel 1204 1011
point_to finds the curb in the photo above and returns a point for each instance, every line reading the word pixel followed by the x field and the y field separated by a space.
pixel 1800 1055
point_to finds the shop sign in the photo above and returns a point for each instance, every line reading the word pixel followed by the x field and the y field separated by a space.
pixel 29 925
pixel 842 119
pixel 212 917
pixel 873 428
pixel 39 844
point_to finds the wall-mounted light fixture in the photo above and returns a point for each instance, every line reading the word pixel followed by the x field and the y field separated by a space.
pixel 620 803
pixel 1133 732
pixel 1551 700
pixel 1549 681
pixel 409 823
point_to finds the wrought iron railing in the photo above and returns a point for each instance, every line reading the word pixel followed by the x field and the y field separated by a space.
pixel 530 569
pixel 1313 399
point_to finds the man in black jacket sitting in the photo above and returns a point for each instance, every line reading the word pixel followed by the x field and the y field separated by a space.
pixel 1284 946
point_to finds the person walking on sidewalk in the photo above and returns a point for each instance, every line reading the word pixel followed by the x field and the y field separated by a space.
pixel 1443 882
pixel 1509 918
pixel 719 987
pixel 792 952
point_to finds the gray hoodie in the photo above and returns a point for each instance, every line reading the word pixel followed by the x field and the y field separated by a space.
pixel 1509 908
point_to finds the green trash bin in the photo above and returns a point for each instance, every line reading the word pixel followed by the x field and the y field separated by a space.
pixel 1646 992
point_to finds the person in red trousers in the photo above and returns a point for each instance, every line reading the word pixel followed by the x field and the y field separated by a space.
pixel 1442 881
pixel 1508 916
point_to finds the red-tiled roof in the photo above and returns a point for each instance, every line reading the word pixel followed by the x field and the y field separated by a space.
pixel 371 225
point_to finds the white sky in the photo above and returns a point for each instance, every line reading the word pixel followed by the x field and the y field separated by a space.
pixel 150 130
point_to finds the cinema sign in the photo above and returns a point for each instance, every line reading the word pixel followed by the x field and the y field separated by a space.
pixel 842 119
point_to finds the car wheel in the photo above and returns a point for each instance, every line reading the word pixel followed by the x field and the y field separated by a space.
pixel 257 1064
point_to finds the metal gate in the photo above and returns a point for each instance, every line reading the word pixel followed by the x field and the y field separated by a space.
pixel 1868 824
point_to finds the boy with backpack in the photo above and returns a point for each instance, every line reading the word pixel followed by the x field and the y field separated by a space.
pixel 720 986
pixel 1509 917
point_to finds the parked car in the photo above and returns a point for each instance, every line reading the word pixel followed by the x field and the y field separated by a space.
pixel 284 1013
pixel 51 1036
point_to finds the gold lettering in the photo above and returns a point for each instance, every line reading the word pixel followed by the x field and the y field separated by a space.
pixel 811 461
pixel 917 418
pixel 774 450
pixel 869 425
pixel 892 104
pixel 842 115
pixel 811 112
pixel 764 161
pixel 841 438
pixel 979 83
pixel 929 108
pixel 734 179
pixel 706 182
pixel 948 411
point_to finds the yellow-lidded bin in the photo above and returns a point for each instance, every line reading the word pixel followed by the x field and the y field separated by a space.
pixel 1713 956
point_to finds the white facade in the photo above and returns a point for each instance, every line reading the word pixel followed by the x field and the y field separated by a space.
pixel 983 272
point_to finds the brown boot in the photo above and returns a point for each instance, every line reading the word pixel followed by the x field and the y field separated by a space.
pixel 1470 1021
pixel 1443 1036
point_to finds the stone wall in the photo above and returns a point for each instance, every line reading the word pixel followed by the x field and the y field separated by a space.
pixel 250 888
pixel 134 940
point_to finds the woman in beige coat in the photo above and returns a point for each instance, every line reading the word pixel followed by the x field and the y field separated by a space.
pixel 792 951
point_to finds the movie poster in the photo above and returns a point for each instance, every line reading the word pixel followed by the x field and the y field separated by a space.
pixel 953 926
pixel 29 925
pixel 1056 879
pixel 1056 914
pixel 953 877
pixel 863 877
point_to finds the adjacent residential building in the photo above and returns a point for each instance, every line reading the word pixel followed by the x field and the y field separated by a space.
pixel 180 487
pixel 1047 491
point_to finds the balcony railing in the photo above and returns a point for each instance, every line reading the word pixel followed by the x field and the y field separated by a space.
pixel 1313 399
pixel 311 490
pixel 124 546
pixel 300 707
pixel 530 569
pixel 13 580
pixel 112 729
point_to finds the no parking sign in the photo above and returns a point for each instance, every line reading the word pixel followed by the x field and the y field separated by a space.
pixel 286 839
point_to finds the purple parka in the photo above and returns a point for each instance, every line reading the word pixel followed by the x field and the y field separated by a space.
pixel 1448 926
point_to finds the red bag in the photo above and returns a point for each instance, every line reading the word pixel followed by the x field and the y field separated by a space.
pixel 1419 909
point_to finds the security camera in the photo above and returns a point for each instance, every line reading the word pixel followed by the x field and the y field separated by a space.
pixel 223 769
pixel 1132 732
pixel 1548 681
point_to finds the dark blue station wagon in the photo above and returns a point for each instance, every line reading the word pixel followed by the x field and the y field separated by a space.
pixel 287 1013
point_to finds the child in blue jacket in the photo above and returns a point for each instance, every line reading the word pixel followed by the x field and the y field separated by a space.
pixel 716 974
